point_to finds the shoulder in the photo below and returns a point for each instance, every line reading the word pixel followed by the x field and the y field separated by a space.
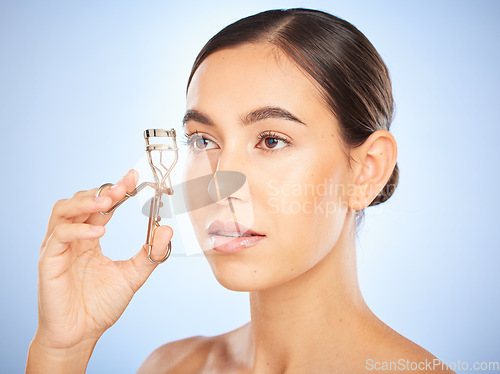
pixel 181 356
pixel 197 354
pixel 396 353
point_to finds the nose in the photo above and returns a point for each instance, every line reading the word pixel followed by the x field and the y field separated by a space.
pixel 225 184
pixel 228 180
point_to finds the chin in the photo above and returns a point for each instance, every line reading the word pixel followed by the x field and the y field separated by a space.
pixel 242 284
pixel 237 275
pixel 236 284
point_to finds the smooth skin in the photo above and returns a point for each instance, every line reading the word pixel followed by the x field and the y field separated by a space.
pixel 307 311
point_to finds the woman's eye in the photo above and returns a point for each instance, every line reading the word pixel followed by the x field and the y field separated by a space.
pixel 198 142
pixel 272 142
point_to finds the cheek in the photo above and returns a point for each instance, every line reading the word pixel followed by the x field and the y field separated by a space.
pixel 305 204
pixel 196 178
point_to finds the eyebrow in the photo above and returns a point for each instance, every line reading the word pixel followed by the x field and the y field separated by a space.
pixel 256 115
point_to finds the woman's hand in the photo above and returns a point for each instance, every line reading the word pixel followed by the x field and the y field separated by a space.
pixel 81 292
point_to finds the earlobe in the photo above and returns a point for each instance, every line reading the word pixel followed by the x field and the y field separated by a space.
pixel 376 159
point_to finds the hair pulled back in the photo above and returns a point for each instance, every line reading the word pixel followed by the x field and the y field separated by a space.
pixel 352 76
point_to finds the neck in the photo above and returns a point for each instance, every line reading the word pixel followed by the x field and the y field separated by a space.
pixel 312 317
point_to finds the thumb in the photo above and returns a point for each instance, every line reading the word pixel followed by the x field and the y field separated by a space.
pixel 141 266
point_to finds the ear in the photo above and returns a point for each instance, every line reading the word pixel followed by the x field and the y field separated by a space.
pixel 375 161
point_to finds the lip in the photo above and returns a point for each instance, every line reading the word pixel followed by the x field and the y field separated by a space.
pixel 232 244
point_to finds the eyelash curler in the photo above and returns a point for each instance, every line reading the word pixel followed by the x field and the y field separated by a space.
pixel 162 184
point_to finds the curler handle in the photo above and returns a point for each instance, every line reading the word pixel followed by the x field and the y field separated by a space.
pixel 154 221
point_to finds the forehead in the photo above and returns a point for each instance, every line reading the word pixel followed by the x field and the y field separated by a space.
pixel 253 75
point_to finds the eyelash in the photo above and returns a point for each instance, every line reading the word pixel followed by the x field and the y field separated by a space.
pixel 190 138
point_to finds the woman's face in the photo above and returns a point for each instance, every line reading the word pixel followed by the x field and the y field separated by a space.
pixel 251 111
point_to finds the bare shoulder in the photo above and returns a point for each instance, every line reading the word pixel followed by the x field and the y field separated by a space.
pixel 197 354
pixel 399 354
pixel 413 358
pixel 181 356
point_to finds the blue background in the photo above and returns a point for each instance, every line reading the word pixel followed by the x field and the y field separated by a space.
pixel 80 81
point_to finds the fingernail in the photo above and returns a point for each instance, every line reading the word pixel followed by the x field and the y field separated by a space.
pixel 96 228
pixel 122 178
pixel 135 172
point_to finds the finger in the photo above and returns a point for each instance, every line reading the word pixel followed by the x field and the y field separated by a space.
pixel 66 233
pixel 130 180
pixel 116 193
pixel 127 184
pixel 139 266
pixel 83 204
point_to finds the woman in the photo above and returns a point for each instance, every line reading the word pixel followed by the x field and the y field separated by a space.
pixel 299 102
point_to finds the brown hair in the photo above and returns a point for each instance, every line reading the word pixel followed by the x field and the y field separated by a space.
pixel 353 78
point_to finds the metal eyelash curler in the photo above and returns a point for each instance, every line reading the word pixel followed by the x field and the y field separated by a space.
pixel 162 184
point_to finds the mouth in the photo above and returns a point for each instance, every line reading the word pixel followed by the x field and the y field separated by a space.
pixel 232 236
